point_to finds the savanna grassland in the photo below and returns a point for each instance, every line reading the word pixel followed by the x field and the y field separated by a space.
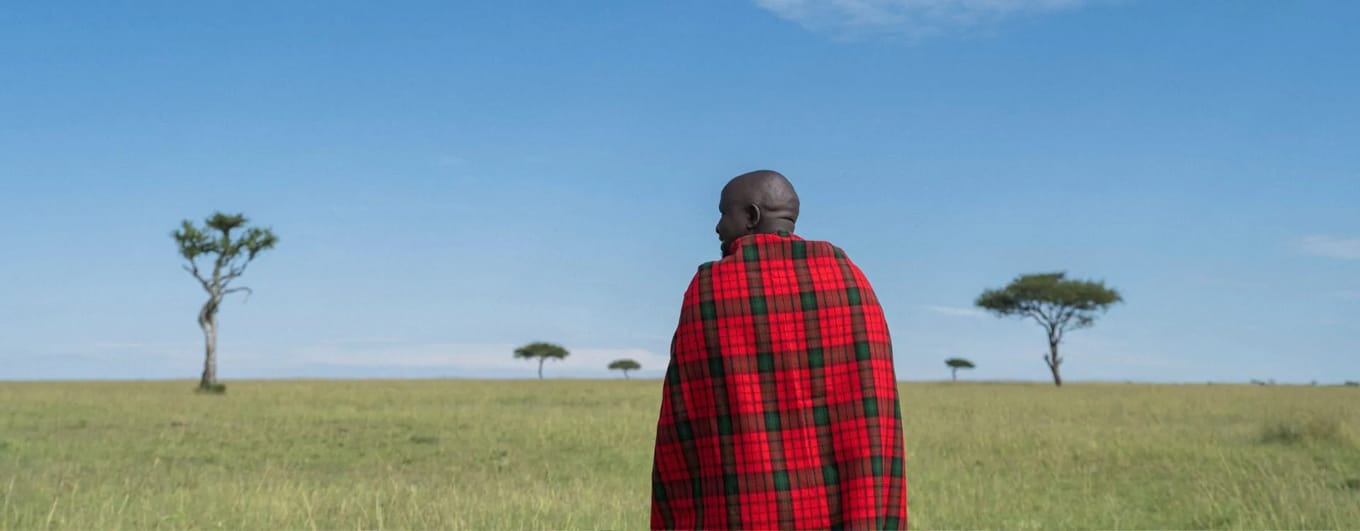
pixel 577 455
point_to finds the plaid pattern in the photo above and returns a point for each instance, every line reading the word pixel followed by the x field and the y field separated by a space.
pixel 779 408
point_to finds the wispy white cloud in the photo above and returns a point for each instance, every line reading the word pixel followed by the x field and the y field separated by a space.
pixel 1348 294
pixel 957 312
pixel 1331 246
pixel 909 18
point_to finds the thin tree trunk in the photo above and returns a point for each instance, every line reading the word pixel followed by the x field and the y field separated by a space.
pixel 540 367
pixel 207 319
pixel 625 374
pixel 1053 362
pixel 954 372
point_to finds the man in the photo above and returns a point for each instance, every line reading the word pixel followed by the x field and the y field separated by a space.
pixel 779 408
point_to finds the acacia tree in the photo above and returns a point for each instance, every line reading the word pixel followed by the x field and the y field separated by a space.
pixel 225 259
pixel 625 366
pixel 955 364
pixel 542 352
pixel 1058 304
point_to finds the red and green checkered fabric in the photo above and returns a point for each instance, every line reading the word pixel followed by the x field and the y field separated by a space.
pixel 779 409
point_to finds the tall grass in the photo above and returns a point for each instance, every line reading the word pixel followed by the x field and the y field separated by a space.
pixel 577 455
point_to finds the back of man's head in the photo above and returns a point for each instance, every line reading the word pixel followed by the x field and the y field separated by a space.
pixel 757 202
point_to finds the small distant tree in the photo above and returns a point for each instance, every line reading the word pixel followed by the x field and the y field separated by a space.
pixel 224 260
pixel 542 352
pixel 1057 303
pixel 955 364
pixel 625 366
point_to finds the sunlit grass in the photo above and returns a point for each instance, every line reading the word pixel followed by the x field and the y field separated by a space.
pixel 577 454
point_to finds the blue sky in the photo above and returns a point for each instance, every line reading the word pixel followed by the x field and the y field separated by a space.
pixel 451 180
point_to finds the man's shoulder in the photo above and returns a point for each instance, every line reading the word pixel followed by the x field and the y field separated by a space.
pixel 827 248
pixel 796 249
pixel 820 249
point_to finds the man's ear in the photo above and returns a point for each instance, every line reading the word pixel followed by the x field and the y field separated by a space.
pixel 753 215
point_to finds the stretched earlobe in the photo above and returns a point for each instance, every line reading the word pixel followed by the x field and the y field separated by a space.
pixel 753 215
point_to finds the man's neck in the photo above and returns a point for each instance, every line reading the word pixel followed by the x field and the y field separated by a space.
pixel 775 227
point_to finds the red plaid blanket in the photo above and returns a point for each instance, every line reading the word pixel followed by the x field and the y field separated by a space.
pixel 779 408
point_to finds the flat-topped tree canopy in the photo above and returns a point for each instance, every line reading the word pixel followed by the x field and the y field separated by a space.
pixel 1057 303
pixel 542 351
pixel 624 365
pixel 958 363
pixel 955 364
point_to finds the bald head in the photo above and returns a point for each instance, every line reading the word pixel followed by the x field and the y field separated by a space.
pixel 758 202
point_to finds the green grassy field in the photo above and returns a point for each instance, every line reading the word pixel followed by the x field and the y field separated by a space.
pixel 577 454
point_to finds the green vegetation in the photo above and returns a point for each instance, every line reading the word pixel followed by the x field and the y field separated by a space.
pixel 542 352
pixel 625 366
pixel 577 455
pixel 955 364
pixel 1058 304
pixel 227 259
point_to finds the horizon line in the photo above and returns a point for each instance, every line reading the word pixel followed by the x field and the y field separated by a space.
pixel 284 379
